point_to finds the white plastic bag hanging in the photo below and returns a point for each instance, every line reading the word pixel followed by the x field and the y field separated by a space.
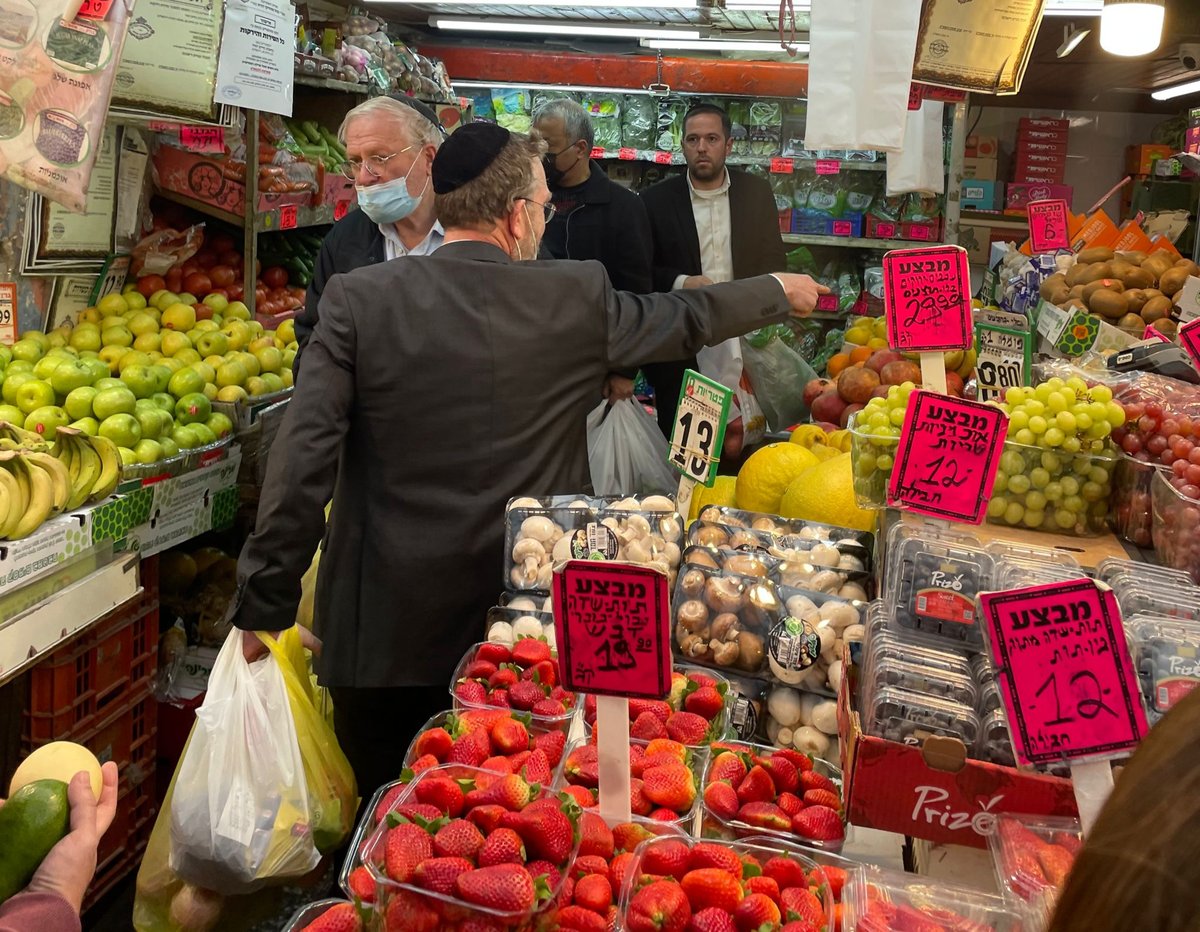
pixel 919 165
pixel 627 452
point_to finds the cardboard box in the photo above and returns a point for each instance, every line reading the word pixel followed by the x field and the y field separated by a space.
pixel 981 169
pixel 982 147
pixel 1055 136
pixel 979 194
pixel 215 181
pixel 1044 123
pixel 1139 160
pixel 1039 174
pixel 1029 146
pixel 1192 142
pixel 1019 194
pixel 313 65
pixel 928 232
pixel 335 187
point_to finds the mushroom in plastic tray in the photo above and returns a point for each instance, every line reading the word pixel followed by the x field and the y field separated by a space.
pixel 520 618
pixel 663 775
pixel 723 621
pixel 889 901
pixel 790 527
pixel 804 721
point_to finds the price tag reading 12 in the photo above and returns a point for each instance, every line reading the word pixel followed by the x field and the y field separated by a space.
pixel 612 624
pixel 699 431
pixel 927 298
pixel 1066 680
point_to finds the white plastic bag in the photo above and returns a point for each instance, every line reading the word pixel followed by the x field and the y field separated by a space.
pixel 240 816
pixel 627 452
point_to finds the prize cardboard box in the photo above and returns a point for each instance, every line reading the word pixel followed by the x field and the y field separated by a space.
pixel 1019 194
pixel 978 194
pixel 214 181
pixel 1139 160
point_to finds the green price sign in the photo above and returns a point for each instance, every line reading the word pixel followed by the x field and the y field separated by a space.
pixel 699 432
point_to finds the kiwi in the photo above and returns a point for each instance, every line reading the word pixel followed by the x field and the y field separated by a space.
pixel 1095 272
pixel 1132 322
pixel 1120 268
pixel 1166 326
pixel 1173 281
pixel 1108 303
pixel 1192 268
pixel 1156 309
pixel 1052 285
pixel 1095 254
pixel 1058 296
pixel 1157 265
pixel 1136 278
pixel 1076 292
pixel 1111 284
pixel 1076 275
pixel 1137 299
pixel 1072 303
pixel 1133 258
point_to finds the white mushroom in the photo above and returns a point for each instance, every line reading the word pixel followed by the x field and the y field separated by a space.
pixel 527 626
pixel 784 674
pixel 524 503
pixel 626 504
pixel 854 634
pixel 773 730
pixel 783 705
pixel 825 581
pixel 636 526
pixel 783 738
pixel 538 527
pixel 824 718
pixel 670 528
pixel 808 533
pixel 763 524
pixel 853 590
pixel 839 614
pixel 524 576
pixel 523 603
pixel 671 552
pixel 579 505
pixel 562 549
pixel 548 605
pixel 545 576
pixel 501 632
pixel 828 638
pixel 810 741
pixel 834 675
pixel 527 548
pixel 808 702
pixel 636 551
pixel 848 561
pixel 802 607
pixel 657 503
pixel 824 555
pixel 613 525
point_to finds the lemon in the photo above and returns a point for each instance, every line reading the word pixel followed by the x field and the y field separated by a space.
pixel 825 493
pixel 877 343
pixel 808 435
pixel 858 336
pixel 766 475
pixel 822 452
pixel 722 493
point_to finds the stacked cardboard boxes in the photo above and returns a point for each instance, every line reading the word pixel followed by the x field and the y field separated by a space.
pixel 1041 154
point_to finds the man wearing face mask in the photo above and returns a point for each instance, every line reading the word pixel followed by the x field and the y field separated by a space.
pixel 498 361
pixel 390 145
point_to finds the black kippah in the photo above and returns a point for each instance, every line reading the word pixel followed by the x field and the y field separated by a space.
pixel 466 154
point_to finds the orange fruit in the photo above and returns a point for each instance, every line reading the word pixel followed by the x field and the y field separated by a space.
pixel 860 354
pixel 836 364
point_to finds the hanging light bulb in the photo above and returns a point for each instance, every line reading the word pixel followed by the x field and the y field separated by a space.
pixel 1131 27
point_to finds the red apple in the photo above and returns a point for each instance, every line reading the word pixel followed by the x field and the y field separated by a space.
pixel 954 384
pixel 813 388
pixel 855 384
pixel 828 406
pixel 901 371
pixel 881 358
pixel 849 410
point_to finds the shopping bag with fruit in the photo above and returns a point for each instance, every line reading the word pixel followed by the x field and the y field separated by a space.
pixel 627 452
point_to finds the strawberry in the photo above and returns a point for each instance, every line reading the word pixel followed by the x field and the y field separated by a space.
pixel 511 791
pixel 705 702
pixel 588 864
pixel 789 803
pixel 721 800
pixel 503 678
pixel 658 907
pixel 362 884
pixel 637 760
pixel 471 749
pixel 457 839
pixel 552 744
pixel 581 795
pixel 666 858
pixel 475 719
pixel 583 767
pixel 662 814
pixel 687 728
pixel 409 912
pixel 517 761
pixel 537 768
pixel 797 926
pixel 497 765
pixel 419 812
pixel 669 747
pixel 479 669
pixel 764 885
pixel 765 815
pixel 502 887
pixel 471 692
pixel 493 652
pixel 628 835
pixel 565 696
pixel 659 759
pixel 405 847
pixel 486 817
pixel 647 726
pixel 756 787
pixel 619 869
pixel 422 764
pixel 579 919
pixel 544 673
pixel 509 736
pixel 785 872
pixel 498 698
pixel 566 893
pixel 529 651
pixel 710 854
pixel 1070 841
pixel 439 874
pixel 702 679
pixel 343 917
pixel 801 903
pixel 1056 863
pixel 802 761
pixel 755 911
pixel 711 920
pixel 597 837
pixel 549 708
pixel 811 780
pixel 822 798
pixel 783 773
pixel 435 741
pixel 712 887
pixel 441 792
pixel 525 695
pixel 547 833
pixel 671 786
pixel 594 892
pixel 818 823
pixel 389 799
pixel 834 876
pixel 728 766
pixel 657 707
pixel 502 846
pixel 638 803
pixel 544 869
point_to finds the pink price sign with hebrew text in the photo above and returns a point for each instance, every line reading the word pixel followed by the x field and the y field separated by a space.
pixel 1189 339
pixel 1049 226
pixel 1151 333
pixel 1066 679
pixel 927 298
pixel 612 623
pixel 947 458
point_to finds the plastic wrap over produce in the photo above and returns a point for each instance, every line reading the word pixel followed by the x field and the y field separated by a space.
pixel 56 78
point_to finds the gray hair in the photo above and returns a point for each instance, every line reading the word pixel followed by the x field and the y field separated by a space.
pixel 576 122
pixel 417 129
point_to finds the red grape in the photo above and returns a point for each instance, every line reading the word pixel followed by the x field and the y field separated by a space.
pixel 1146 423
pixel 1131 444
pixel 1180 467
pixel 1156 444
pixel 1154 410
pixel 1166 457
pixel 1185 427
pixel 1194 456
pixel 1190 491
pixel 1170 426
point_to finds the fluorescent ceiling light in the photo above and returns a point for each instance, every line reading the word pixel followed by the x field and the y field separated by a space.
pixel 1179 90
pixel 1131 27
pixel 537 27
pixel 561 4
pixel 724 45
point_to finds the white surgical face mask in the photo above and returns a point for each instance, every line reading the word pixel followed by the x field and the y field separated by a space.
pixel 389 201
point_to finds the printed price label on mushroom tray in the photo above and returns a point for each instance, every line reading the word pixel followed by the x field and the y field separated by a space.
pixel 287 217
pixel 927 298
pixel 202 138
pixel 947 459
pixel 699 431
pixel 1066 679
pixel 1049 226
pixel 612 625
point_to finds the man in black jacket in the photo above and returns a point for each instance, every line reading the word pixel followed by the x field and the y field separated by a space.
pixel 595 218
pixel 712 224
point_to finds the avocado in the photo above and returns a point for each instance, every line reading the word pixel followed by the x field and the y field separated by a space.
pixel 32 822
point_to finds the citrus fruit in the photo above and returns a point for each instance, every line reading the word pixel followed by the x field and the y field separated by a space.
pixel 808 435
pixel 766 475
pixel 722 493
pixel 825 493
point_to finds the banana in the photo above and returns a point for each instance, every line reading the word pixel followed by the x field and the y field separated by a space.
pixel 19 435
pixel 64 450
pixel 58 475
pixel 9 512
pixel 11 463
pixel 89 470
pixel 110 475
pixel 41 499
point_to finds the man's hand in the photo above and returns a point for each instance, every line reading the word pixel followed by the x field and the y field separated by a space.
pixel 253 648
pixel 68 868
pixel 697 281
pixel 802 292
pixel 618 388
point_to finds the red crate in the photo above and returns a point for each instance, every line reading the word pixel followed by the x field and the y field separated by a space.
pixel 121 848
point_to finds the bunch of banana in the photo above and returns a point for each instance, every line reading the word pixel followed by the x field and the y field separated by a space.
pixel 93 465
pixel 30 491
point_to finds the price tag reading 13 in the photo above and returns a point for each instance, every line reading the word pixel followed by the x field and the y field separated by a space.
pixel 1066 680
pixel 699 431
pixel 927 299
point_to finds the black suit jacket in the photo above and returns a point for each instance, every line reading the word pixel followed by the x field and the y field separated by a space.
pixel 756 245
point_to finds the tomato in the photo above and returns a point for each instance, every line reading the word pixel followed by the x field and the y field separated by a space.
pixel 206 258
pixel 148 284
pixel 222 275
pixel 236 292
pixel 260 296
pixel 189 267
pixel 220 242
pixel 279 294
pixel 275 277
pixel 231 258
pixel 198 284
pixel 174 280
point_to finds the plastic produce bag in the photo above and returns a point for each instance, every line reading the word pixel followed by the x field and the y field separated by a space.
pixel 605 113
pixel 627 452
pixel 778 374
pixel 639 122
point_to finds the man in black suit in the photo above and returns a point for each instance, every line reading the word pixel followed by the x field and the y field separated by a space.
pixel 712 224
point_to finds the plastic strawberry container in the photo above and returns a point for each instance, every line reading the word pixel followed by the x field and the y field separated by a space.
pixel 448 718
pixel 548 721
pixel 362 832
pixel 450 910
pixel 1032 856
pixel 756 850
pixel 882 901
pixel 307 915
pixel 715 826
pixel 718 726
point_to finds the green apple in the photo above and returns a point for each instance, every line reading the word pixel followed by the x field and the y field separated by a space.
pixel 172 342
pixel 46 421
pixel 163 299
pixel 27 350
pixel 147 342
pixel 165 402
pixel 236 310
pixel 37 337
pixel 109 382
pixel 112 304
pixel 212 343
pixel 186 381
pixel 111 356
pixel 203 434
pixel 218 302
pixel 148 451
pixel 142 323
pixel 169 447
pixel 232 373
pixel 133 358
pixel 122 429
pixel 47 364
pixel 186 299
pixel 150 420
pixel 5 355
pixel 140 380
pixel 13 415
pixel 117 335
pixel 89 425
pixel 13 382
pixel 162 376
pixel 34 394
pixel 70 376
pixel 257 386
pixel 128 457
pixel 78 403
pixel 269 359
pixel 185 437
pixel 187 356
pixel 219 424
pixel 192 409
pixel 286 378
pixel 18 365
pixel 110 402
pixel 274 382
pixel 98 368
pixel 207 372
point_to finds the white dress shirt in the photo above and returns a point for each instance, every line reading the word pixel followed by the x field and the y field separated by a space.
pixel 394 248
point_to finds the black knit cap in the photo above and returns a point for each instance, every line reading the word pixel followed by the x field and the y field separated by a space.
pixel 466 154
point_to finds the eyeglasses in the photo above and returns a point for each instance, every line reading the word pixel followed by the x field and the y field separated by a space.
pixel 374 164
pixel 548 209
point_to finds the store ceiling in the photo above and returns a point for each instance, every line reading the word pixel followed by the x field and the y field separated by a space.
pixel 704 15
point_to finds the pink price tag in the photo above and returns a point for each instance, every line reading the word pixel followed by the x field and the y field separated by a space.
pixel 827 302
pixel 662 158
pixel 916 94
pixel 927 298
pixel 948 455
pixel 613 629
pixel 918 232
pixel 828 167
pixel 340 209
pixel 885 230
pixel 287 217
pixel 1189 339
pixel 1066 680
pixel 202 138
pixel 95 9
pixel 1150 333
pixel 1049 225
pixel 597 152
pixel 782 166
pixel 626 155
pixel 843 228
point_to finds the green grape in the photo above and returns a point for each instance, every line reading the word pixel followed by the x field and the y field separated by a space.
pixel 1017 420
pixel 1078 385
pixel 897 416
pixel 1083 420
pixel 1074 503
pixel 1069 394
pixel 1064 519
pixel 1053 437
pixel 865 463
pixel 1091 491
pixel 1035 500
pixel 1099 509
pixel 877 418
pixel 1014 513
pixel 1033 518
pixel 1025 437
pixel 884 462
pixel 1070 485
pixel 1098 411
pixel 997 506
pixel 1037 425
pixel 1072 445
pixel 1011 462
pixel 1065 421
pixel 1014 396
pixel 1042 392
pixel 1039 477
pixel 1098 475
pixel 1051 462
pixel 1055 383
pixel 1116 414
pixel 1053 492
pixel 1035 407
pixel 1056 402
pixel 1099 430
pixel 1081 466
pixel 1101 393
pixel 1018 484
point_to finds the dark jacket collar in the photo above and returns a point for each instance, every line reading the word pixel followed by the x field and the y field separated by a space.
pixel 471 249
pixel 596 190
